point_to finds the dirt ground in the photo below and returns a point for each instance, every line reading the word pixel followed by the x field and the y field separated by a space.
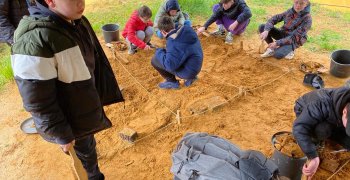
pixel 260 95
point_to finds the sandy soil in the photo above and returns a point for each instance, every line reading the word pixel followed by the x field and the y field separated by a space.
pixel 260 95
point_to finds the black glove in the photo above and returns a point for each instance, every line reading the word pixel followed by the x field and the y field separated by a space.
pixel 313 80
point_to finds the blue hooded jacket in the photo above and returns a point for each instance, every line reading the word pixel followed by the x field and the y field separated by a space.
pixel 172 5
pixel 183 55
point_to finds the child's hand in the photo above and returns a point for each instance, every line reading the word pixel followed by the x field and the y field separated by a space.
pixel 273 45
pixel 264 35
pixel 147 47
pixel 233 26
pixel 200 30
pixel 311 168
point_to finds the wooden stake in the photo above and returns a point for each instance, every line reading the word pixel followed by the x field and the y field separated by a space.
pixel 206 34
pixel 241 45
pixel 123 60
pixel 262 47
pixel 178 117
pixel 77 165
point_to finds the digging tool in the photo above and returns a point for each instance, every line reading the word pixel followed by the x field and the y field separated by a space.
pixel 339 151
pixel 206 34
pixel 115 54
pixel 79 170
pixel 262 47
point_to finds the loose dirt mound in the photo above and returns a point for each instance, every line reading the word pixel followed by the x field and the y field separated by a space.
pixel 259 96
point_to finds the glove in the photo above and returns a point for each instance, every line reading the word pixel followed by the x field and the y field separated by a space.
pixel 313 80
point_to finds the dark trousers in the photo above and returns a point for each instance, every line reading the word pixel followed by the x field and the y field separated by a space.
pixel 86 152
pixel 277 34
pixel 165 74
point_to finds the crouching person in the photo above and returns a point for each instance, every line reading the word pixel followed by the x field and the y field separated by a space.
pixel 293 34
pixel 171 8
pixel 138 30
pixel 321 115
pixel 232 15
pixel 183 56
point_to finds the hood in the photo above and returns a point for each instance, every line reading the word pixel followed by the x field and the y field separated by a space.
pixel 185 34
pixel 237 2
pixel 305 11
pixel 172 5
pixel 340 98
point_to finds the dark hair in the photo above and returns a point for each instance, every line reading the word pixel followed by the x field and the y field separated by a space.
pixel 225 1
pixel 166 24
pixel 145 12
pixel 42 2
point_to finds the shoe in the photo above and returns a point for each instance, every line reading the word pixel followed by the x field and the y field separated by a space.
pixel 268 53
pixel 290 55
pixel 220 32
pixel 132 49
pixel 189 82
pixel 229 38
pixel 151 45
pixel 169 85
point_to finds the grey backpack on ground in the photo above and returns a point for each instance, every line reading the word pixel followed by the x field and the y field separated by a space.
pixel 199 156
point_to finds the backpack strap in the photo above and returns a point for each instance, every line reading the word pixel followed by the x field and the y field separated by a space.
pixel 254 165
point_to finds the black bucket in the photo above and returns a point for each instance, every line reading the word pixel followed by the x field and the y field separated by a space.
pixel 340 63
pixel 290 167
pixel 110 32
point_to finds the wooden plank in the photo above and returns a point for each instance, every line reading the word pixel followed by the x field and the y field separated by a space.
pixel 77 165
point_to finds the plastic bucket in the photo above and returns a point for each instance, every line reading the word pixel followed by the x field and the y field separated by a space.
pixel 288 166
pixel 340 63
pixel 110 32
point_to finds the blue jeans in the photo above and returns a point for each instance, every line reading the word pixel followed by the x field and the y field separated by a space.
pixel 277 34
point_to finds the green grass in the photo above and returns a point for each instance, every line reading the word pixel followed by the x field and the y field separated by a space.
pixel 5 65
pixel 259 17
pixel 325 41
pixel 347 17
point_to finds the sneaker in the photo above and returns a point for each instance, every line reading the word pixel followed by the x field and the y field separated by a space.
pixel 268 53
pixel 132 49
pixel 169 85
pixel 229 38
pixel 220 32
pixel 189 82
pixel 290 55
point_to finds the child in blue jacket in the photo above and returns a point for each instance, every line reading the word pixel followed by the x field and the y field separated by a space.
pixel 183 56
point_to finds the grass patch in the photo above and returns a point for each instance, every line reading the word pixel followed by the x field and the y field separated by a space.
pixel 346 17
pixel 326 40
pixel 200 10
pixel 6 74
pixel 259 17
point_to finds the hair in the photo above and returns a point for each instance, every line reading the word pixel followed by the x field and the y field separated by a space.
pixel 42 2
pixel 225 1
pixel 166 24
pixel 145 12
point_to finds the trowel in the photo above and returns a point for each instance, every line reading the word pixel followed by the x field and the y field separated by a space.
pixel 339 151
